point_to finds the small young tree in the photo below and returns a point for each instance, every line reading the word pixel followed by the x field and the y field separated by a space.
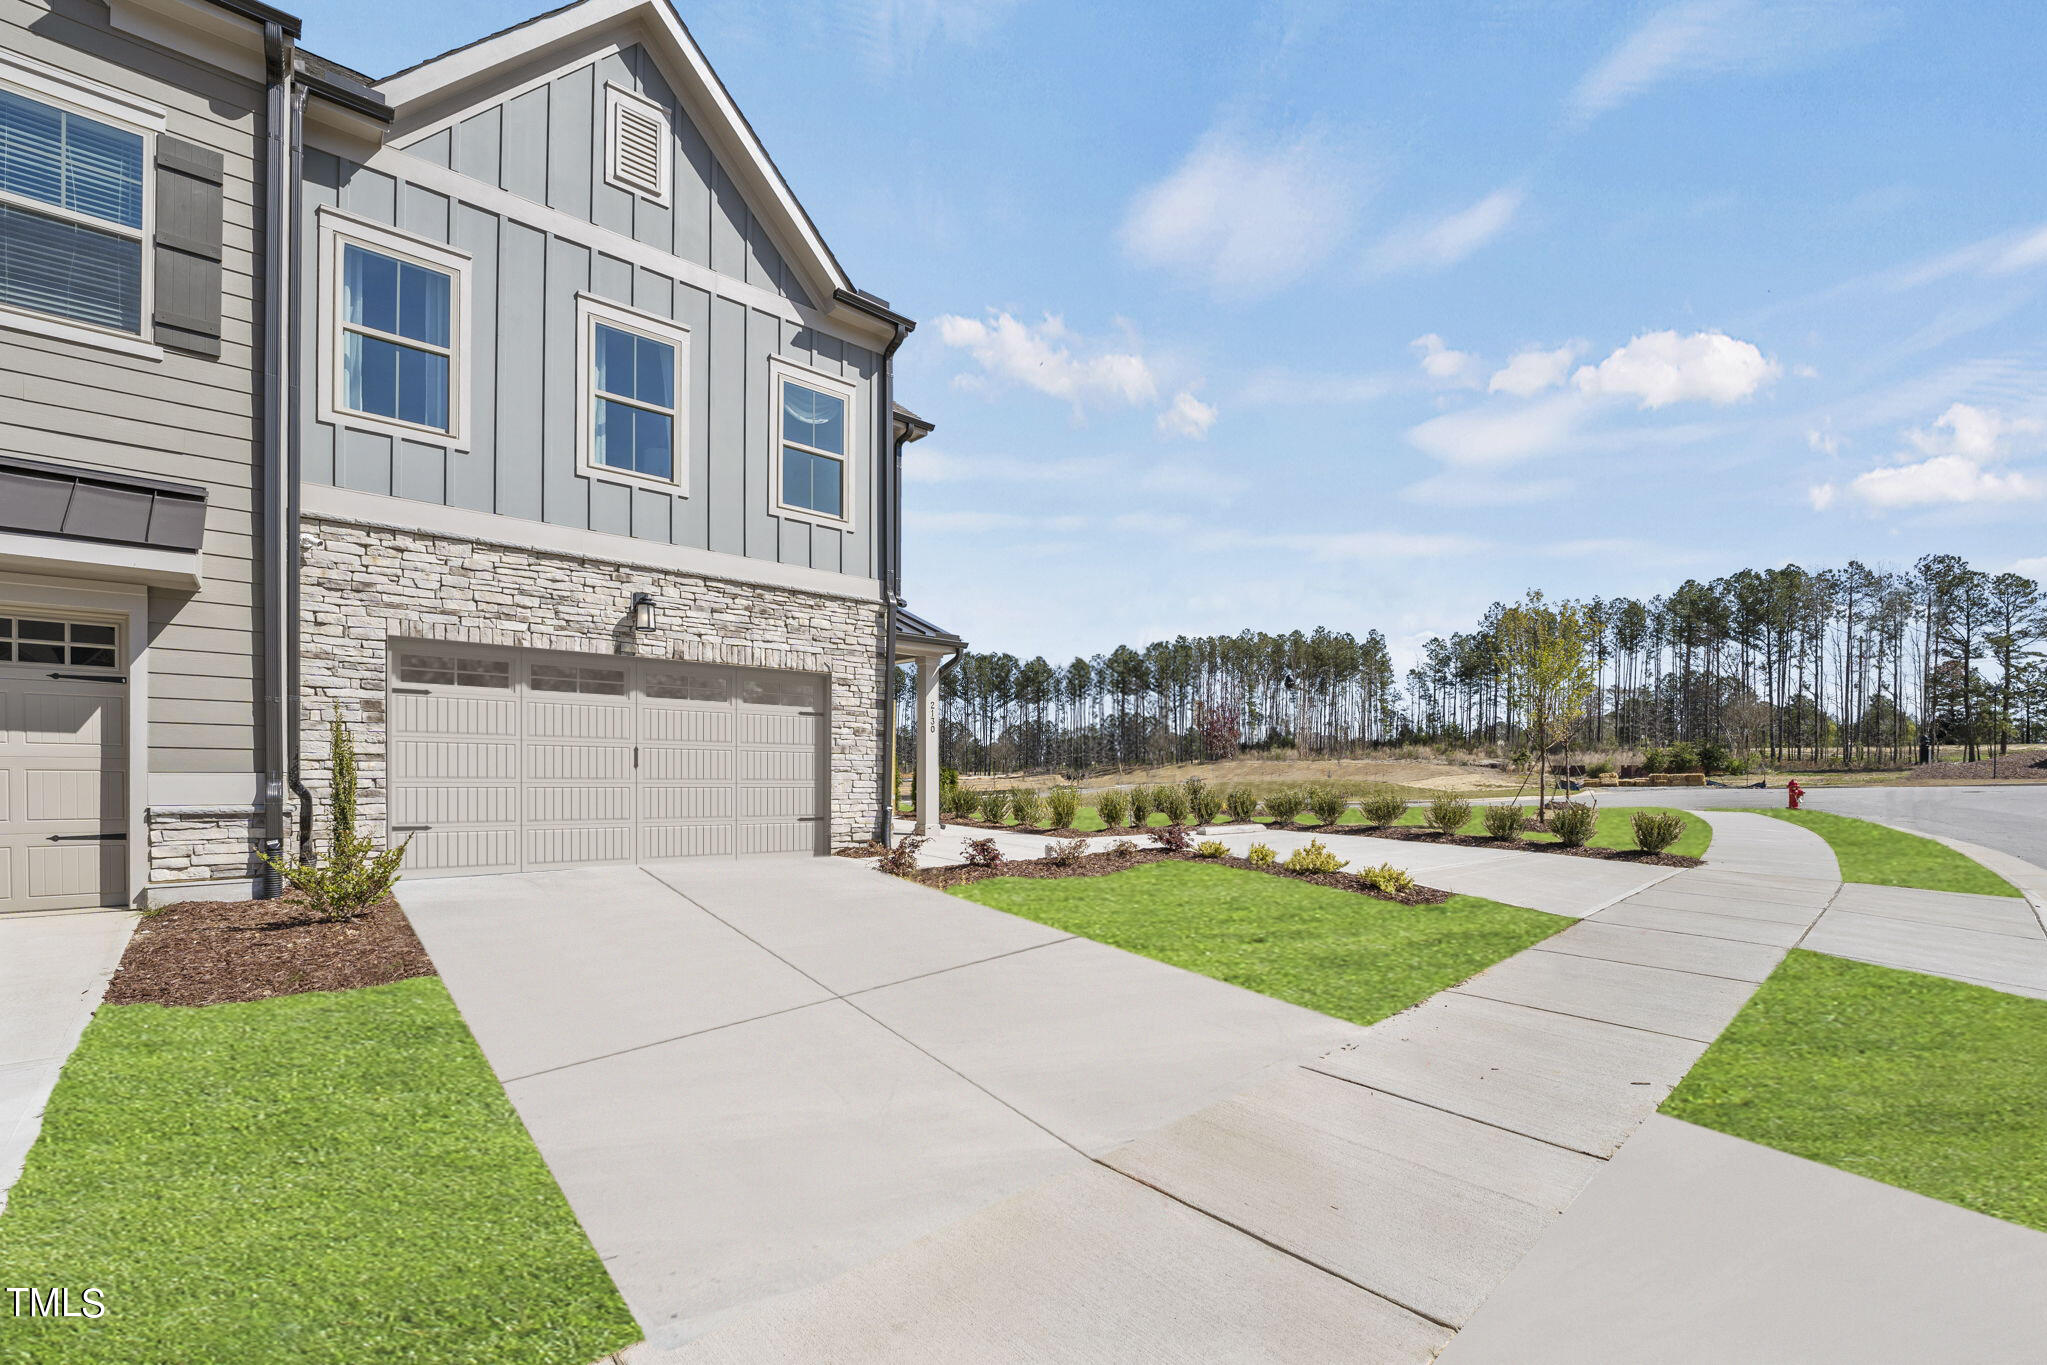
pixel 1546 649
pixel 355 874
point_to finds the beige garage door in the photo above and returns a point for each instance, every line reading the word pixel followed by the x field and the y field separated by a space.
pixel 63 765
pixel 517 760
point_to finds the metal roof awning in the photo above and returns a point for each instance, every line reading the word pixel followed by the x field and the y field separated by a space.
pixel 99 523
pixel 923 636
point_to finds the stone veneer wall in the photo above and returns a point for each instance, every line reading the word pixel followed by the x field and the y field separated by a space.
pixel 203 844
pixel 362 586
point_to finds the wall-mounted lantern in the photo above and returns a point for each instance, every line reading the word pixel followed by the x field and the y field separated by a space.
pixel 643 611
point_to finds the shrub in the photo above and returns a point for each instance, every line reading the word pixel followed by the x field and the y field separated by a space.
pixel 1680 758
pixel 1065 852
pixel 1382 808
pixel 994 805
pixel 1113 807
pixel 1211 848
pixel 355 874
pixel 1208 806
pixel 1653 761
pixel 1140 806
pixel 1172 803
pixel 1448 814
pixel 1388 880
pixel 1283 805
pixel 1261 855
pixel 981 853
pixel 1063 803
pixel 1243 803
pixel 1172 838
pixel 1328 803
pixel 1735 767
pixel 1656 830
pixel 1123 848
pixel 1714 758
pixel 1598 767
pixel 1573 824
pixel 1502 821
pixel 901 860
pixel 1029 809
pixel 961 804
pixel 1194 787
pixel 1313 858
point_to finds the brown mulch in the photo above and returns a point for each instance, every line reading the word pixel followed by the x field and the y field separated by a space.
pixel 220 952
pixel 1102 864
pixel 1418 834
pixel 2025 767
pixel 873 848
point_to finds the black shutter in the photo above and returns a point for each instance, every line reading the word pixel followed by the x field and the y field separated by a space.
pixel 188 222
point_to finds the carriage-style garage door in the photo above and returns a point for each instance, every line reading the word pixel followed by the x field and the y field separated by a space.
pixel 507 760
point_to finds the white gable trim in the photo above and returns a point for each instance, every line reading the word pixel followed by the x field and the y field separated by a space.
pixel 682 63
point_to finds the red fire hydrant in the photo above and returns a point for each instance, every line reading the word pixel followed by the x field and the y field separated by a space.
pixel 1794 791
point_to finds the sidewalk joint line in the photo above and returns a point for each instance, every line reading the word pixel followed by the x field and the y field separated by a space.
pixel 1453 1113
pixel 1544 947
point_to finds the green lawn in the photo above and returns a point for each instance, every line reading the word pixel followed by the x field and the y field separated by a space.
pixel 1917 1081
pixel 332 1177
pixel 1613 829
pixel 1347 955
pixel 1883 856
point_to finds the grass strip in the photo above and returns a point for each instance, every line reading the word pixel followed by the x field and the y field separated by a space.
pixel 1882 856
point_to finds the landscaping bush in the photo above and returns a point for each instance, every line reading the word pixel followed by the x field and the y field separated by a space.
pixel 1065 852
pixel 1313 858
pixel 1502 822
pixel 981 853
pixel 1243 803
pixel 1123 848
pixel 994 805
pixel 1680 758
pixel 1063 803
pixel 1208 806
pixel 1653 761
pixel 1388 880
pixel 1211 848
pixel 1283 805
pixel 1382 808
pixel 1140 806
pixel 1573 824
pixel 355 874
pixel 1735 767
pixel 1448 814
pixel 961 804
pixel 1656 830
pixel 901 860
pixel 1328 803
pixel 1598 767
pixel 1261 855
pixel 1172 803
pixel 1113 807
pixel 1714 758
pixel 1029 809
pixel 1172 838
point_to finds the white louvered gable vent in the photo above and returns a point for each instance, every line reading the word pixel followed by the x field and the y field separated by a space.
pixel 637 159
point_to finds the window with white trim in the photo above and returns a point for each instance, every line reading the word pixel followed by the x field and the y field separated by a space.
pixel 637 142
pixel 73 214
pixel 635 374
pixel 813 433
pixel 395 330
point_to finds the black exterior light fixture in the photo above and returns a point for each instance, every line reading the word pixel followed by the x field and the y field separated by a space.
pixel 643 611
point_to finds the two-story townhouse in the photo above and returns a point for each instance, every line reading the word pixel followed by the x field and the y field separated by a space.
pixel 143 149
pixel 599 521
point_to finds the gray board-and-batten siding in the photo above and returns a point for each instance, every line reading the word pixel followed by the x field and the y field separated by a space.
pixel 519 456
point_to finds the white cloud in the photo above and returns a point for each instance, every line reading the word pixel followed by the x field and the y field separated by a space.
pixel 1187 416
pixel 1825 440
pixel 1247 218
pixel 1973 432
pixel 2034 568
pixel 1490 436
pixel 971 522
pixel 1441 363
pixel 927 464
pixel 1821 496
pixel 1460 489
pixel 1433 244
pixel 2006 253
pixel 1660 368
pixel 1530 371
pixel 1942 480
pixel 1711 37
pixel 1051 359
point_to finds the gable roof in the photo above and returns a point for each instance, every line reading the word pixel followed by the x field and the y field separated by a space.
pixel 471 70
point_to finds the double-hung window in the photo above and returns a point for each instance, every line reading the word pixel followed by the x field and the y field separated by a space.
pixel 634 375
pixel 814 430
pixel 395 332
pixel 73 206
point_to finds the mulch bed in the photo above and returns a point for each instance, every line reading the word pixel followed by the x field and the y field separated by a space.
pixel 873 848
pixel 220 952
pixel 2012 767
pixel 1417 834
pixel 1102 864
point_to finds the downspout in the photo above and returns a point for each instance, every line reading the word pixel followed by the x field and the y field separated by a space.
pixel 887 549
pixel 278 108
pixel 294 438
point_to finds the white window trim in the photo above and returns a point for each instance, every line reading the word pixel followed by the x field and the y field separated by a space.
pixel 102 104
pixel 591 310
pixel 782 371
pixel 614 97
pixel 338 229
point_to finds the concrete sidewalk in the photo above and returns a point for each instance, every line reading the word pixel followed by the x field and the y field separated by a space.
pixel 54 968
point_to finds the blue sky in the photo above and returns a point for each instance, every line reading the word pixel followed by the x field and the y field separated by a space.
pixel 1367 315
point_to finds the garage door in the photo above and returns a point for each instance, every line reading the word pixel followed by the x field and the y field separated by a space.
pixel 515 760
pixel 63 765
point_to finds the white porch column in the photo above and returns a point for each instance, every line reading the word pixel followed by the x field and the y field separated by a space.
pixel 927 742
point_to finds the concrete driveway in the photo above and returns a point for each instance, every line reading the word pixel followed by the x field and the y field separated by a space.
pixel 749 1077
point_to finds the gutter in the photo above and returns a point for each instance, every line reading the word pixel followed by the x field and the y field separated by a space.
pixel 887 551
pixel 280 115
pixel 294 438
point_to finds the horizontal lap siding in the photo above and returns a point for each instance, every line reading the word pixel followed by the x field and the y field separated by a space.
pixel 546 145
pixel 184 417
